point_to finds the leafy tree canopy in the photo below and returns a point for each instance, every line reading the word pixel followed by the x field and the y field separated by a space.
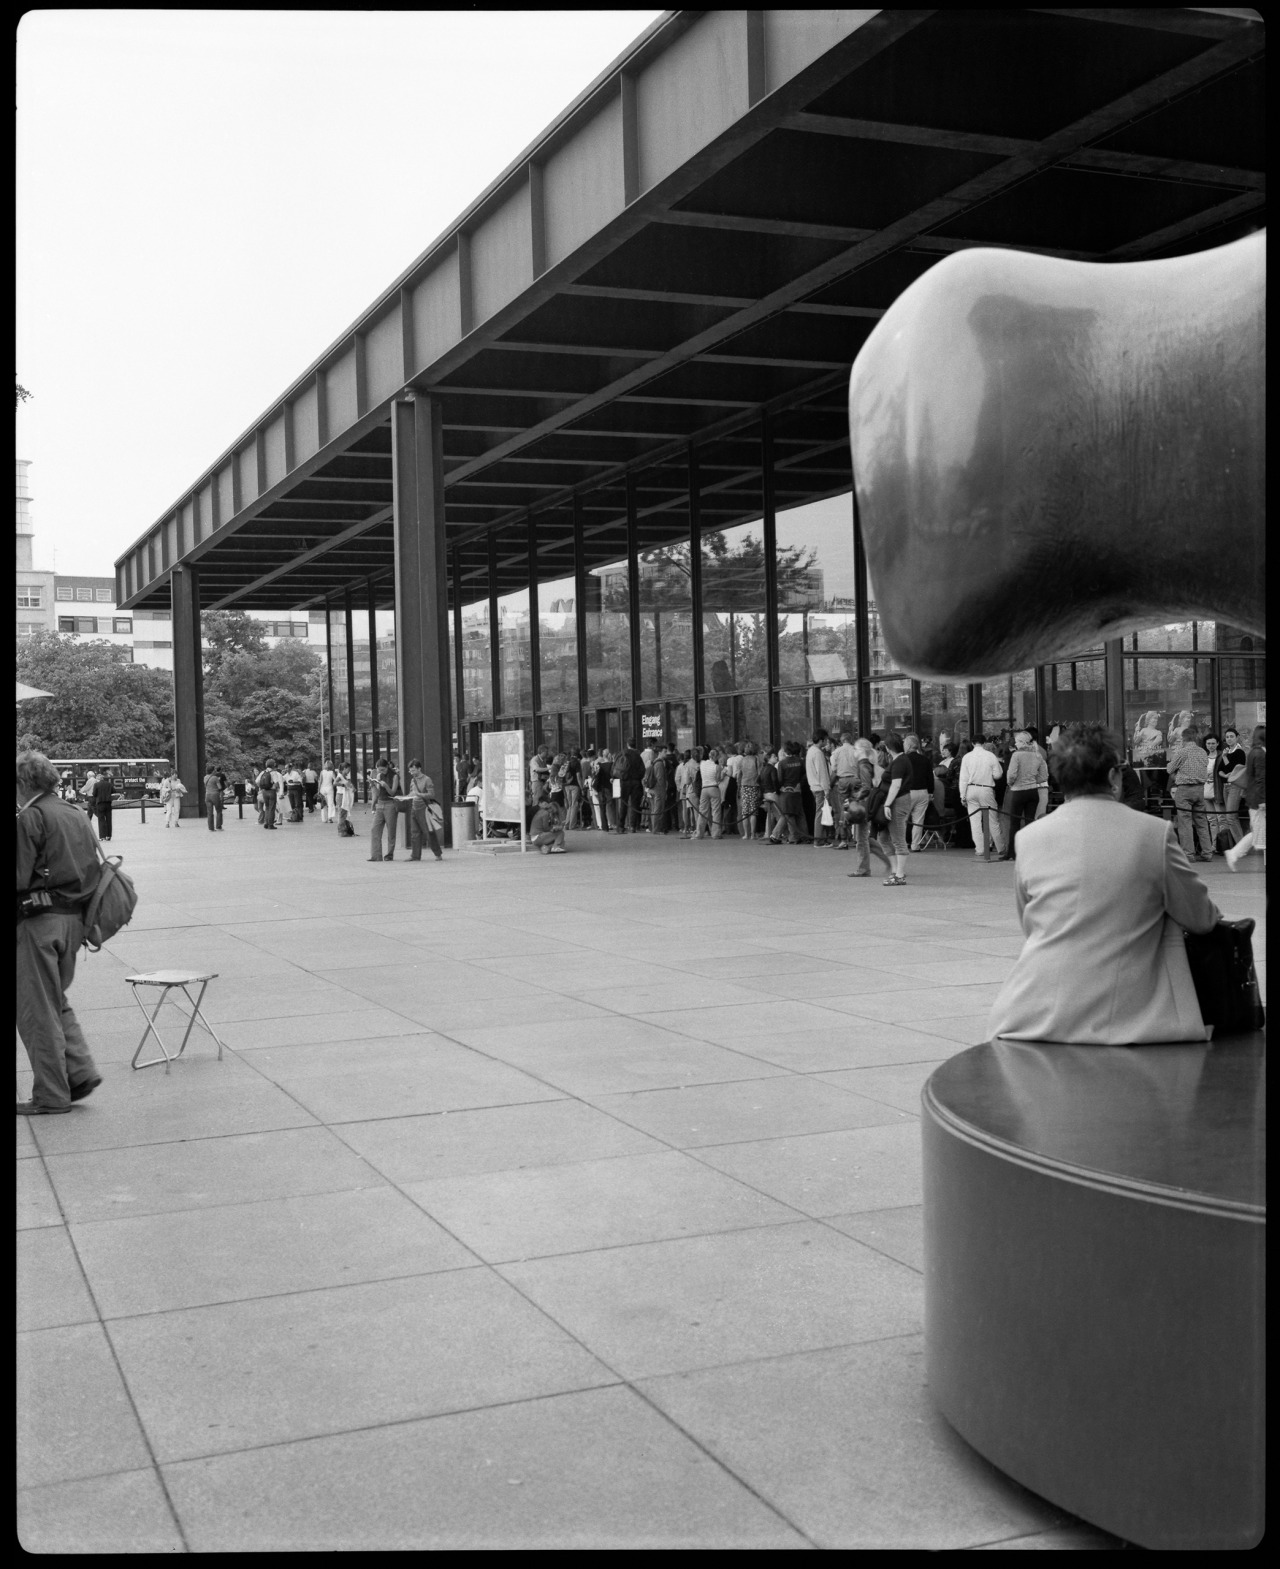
pixel 102 705
pixel 227 632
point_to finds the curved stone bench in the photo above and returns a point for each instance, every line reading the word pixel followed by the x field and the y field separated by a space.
pixel 1095 1234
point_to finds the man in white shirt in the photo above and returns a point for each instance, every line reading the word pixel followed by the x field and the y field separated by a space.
pixel 979 770
pixel 844 780
pixel 817 772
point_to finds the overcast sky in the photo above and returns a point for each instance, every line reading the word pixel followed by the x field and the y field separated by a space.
pixel 207 199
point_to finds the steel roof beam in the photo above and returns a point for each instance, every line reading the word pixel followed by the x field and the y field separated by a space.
pixel 1152 94
pixel 307 556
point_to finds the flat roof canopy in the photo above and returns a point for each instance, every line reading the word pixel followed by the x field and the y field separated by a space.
pixel 708 233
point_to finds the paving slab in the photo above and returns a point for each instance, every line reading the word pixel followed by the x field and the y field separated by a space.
pixel 191 1174
pixel 495 1138
pixel 157 1263
pixel 601 1470
pixel 123 1513
pixel 50 1288
pixel 898 1084
pixel 535 1211
pixel 75 1418
pixel 660 1307
pixel 819 1174
pixel 243 1374
pixel 897 1233
pixel 37 1202
pixel 846 1444
pixel 688 1118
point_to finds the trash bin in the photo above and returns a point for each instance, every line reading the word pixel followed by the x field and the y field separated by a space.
pixel 464 822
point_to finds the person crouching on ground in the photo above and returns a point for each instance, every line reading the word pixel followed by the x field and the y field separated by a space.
pixel 422 793
pixel 57 858
pixel 546 829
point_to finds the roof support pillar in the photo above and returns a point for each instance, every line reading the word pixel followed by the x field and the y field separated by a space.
pixel 459 706
pixel 633 600
pixel 580 609
pixel 861 619
pixel 188 687
pixel 770 529
pixel 422 590
pixel 695 590
pixel 1115 685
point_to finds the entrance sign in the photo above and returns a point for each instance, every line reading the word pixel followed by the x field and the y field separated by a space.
pixel 502 776
pixel 651 725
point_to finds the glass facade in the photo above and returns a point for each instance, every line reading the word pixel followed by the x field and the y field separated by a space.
pixel 753 635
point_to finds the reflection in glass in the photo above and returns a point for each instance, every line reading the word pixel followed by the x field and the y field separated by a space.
pixel 890 706
pixel 558 645
pixel 1009 703
pixel 1166 697
pixel 608 635
pixel 734 651
pixel 796 714
pixel 386 629
pixel 743 716
pixel 1243 695
pixel 817 629
pixel 944 710
pixel 838 706
pixel 477 676
pixel 338 662
pixel 666 622
pixel 1076 692
pixel 514 653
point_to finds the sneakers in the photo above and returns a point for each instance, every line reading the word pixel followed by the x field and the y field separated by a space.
pixel 557 849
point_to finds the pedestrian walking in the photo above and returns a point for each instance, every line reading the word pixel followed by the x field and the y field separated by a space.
pixel 310 787
pixel 325 788
pixel 57 867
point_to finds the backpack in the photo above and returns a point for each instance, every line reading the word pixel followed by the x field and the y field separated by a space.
pixel 111 904
pixel 266 781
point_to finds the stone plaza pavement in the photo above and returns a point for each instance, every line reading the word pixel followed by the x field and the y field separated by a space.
pixel 537 1202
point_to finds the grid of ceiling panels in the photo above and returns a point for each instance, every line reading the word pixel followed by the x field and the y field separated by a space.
pixel 1106 136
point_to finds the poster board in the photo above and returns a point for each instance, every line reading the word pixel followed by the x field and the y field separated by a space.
pixel 502 779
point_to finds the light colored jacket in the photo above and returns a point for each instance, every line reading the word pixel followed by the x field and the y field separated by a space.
pixel 816 770
pixel 1101 964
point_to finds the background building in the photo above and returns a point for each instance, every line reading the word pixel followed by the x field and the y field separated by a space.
pixel 85 607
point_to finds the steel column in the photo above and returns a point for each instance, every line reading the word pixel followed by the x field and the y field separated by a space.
pixel 770 521
pixel 373 661
pixel 422 590
pixel 188 688
pixel 695 587
pixel 347 616
pixel 459 713
pixel 580 611
pixel 495 648
pixel 328 670
pixel 861 621
pixel 535 652
pixel 633 599
pixel 1115 684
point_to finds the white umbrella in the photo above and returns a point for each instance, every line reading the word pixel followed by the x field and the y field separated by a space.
pixel 27 692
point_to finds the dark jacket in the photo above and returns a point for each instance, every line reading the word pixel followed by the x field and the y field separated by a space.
pixel 1255 778
pixel 57 852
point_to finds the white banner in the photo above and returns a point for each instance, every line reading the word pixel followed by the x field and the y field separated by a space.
pixel 502 778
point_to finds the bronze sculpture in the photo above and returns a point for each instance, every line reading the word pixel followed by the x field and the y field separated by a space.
pixel 1048 453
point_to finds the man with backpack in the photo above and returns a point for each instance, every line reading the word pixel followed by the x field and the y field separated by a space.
pixel 58 873
pixel 269 782
pixel 631 770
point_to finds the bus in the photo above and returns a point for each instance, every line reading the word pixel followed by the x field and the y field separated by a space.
pixel 137 778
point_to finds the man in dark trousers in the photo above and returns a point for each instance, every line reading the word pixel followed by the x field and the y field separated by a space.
pixel 100 802
pixel 57 862
pixel 630 766
pixel 384 790
pixel 214 784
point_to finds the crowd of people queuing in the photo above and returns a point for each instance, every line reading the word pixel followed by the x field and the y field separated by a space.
pixel 881 796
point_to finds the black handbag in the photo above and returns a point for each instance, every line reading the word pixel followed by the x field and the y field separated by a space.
pixel 876 814
pixel 1225 980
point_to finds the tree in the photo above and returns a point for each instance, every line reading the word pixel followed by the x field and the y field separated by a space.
pixel 102 704
pixel 227 632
